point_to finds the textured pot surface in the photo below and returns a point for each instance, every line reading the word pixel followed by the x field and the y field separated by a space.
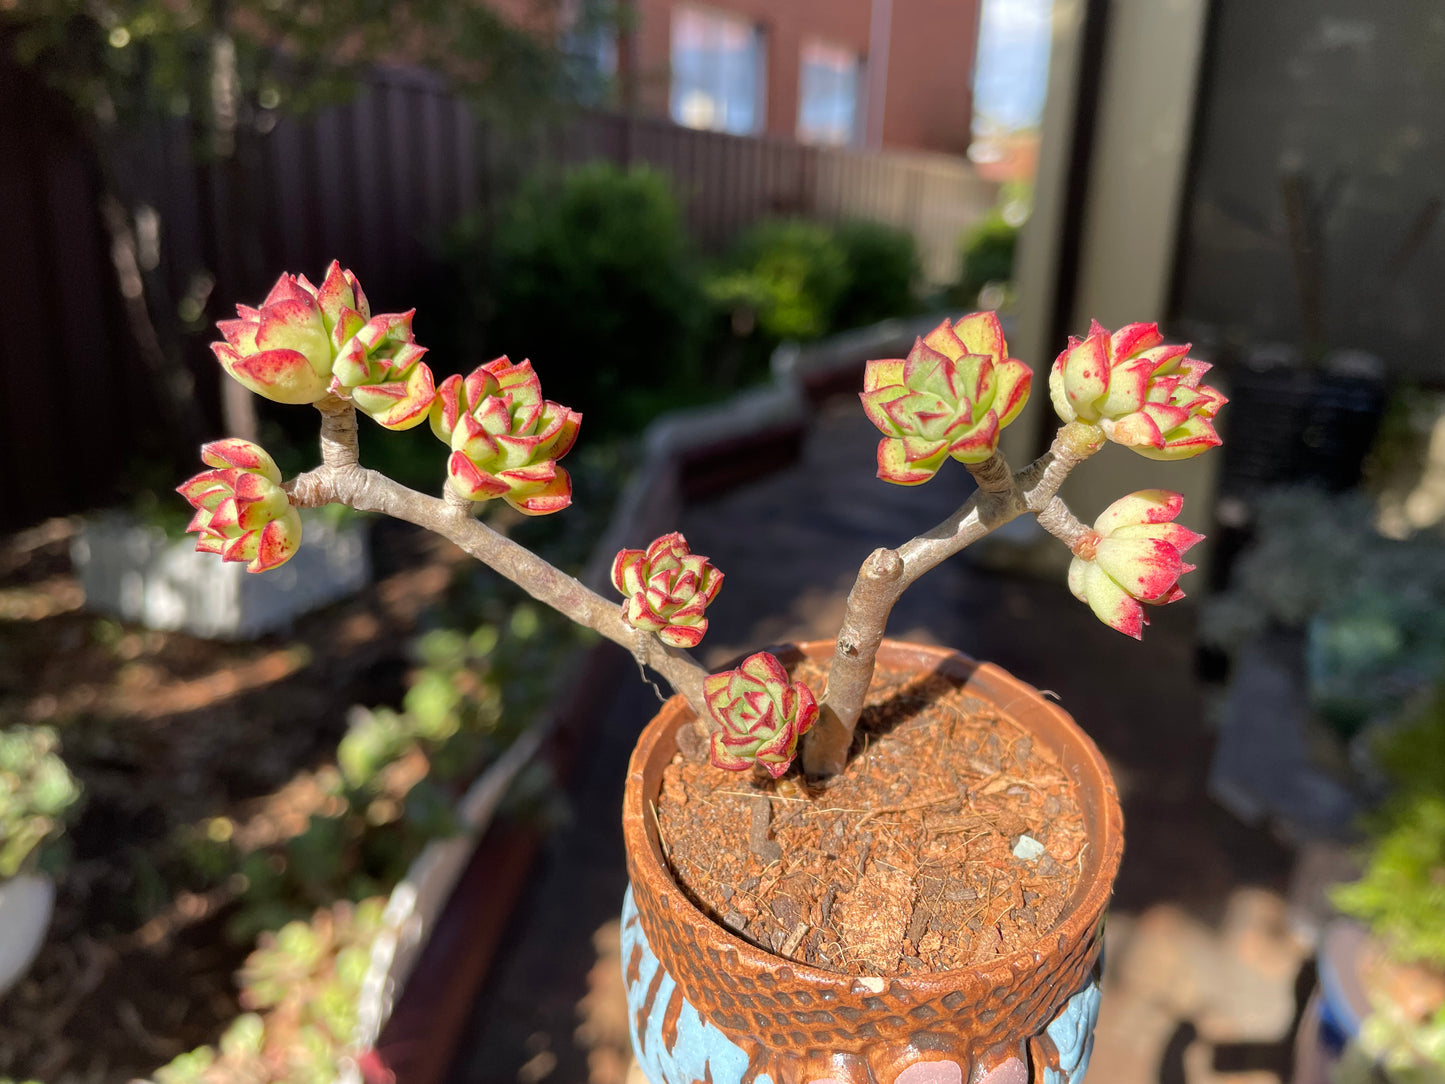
pixel 708 1005
pixel 26 903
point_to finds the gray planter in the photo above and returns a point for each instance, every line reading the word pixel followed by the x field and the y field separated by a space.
pixel 26 903
pixel 133 571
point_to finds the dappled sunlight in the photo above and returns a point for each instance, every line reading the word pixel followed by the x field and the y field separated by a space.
pixel 36 602
pixel 1182 996
pixel 602 1012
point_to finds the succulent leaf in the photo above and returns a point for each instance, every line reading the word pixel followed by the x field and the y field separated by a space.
pixel 284 349
pixel 1142 392
pixel 505 438
pixel 668 589
pixel 951 396
pixel 379 368
pixel 1134 555
pixel 761 714
pixel 242 513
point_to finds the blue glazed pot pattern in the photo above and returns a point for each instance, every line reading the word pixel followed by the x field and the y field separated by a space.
pixel 674 1045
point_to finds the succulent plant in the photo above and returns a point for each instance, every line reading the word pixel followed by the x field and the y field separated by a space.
pixel 668 588
pixel 505 438
pixel 37 791
pixel 303 984
pixel 762 714
pixel 1133 555
pixel 242 513
pixel 951 396
pixel 1143 393
pixel 380 370
pixel 284 350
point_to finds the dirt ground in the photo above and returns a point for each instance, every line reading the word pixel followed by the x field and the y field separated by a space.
pixel 167 731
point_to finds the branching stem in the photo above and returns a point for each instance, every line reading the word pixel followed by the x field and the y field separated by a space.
pixel 1002 495
pixel 342 480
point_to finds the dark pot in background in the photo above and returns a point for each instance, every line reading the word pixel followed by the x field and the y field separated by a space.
pixel 1290 425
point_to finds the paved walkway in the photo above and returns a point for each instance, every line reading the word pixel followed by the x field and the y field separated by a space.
pixel 1202 957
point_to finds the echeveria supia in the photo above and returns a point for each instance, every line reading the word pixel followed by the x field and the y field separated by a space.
pixel 668 588
pixel 1133 556
pixel 380 370
pixel 242 513
pixel 284 350
pixel 951 396
pixel 761 714
pixel 505 438
pixel 1142 392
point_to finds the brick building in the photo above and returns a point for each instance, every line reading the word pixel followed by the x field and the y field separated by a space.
pixel 894 74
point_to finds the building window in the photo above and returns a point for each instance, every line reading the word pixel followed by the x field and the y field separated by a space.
pixel 828 86
pixel 717 71
pixel 588 45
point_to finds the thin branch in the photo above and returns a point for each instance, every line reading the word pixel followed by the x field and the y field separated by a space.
pixel 341 480
pixel 874 592
pixel 1001 497
pixel 994 477
pixel 1064 525
pixel 339 447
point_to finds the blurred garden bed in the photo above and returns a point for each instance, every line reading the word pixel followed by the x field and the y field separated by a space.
pixel 231 788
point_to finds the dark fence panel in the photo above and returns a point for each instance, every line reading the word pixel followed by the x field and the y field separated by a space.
pixel 375 182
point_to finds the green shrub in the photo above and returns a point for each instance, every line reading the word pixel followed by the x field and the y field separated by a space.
pixel 1402 892
pixel 882 263
pixel 787 275
pixel 988 256
pixel 592 276
pixel 37 792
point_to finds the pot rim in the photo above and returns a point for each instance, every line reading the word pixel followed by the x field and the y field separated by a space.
pixel 1087 768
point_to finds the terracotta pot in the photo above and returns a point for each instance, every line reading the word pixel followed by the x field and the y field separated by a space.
pixel 705 1005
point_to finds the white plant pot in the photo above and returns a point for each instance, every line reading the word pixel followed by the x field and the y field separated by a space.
pixel 133 571
pixel 26 903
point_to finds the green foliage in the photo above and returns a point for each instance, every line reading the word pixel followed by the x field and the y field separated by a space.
pixel 1412 755
pixel 788 274
pixel 124 60
pixel 883 267
pixel 398 774
pixel 1374 607
pixel 303 983
pixel 592 276
pixel 987 252
pixel 37 793
pixel 1394 1048
pixel 793 279
pixel 1402 892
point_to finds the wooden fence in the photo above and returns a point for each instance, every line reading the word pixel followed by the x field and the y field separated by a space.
pixel 375 183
